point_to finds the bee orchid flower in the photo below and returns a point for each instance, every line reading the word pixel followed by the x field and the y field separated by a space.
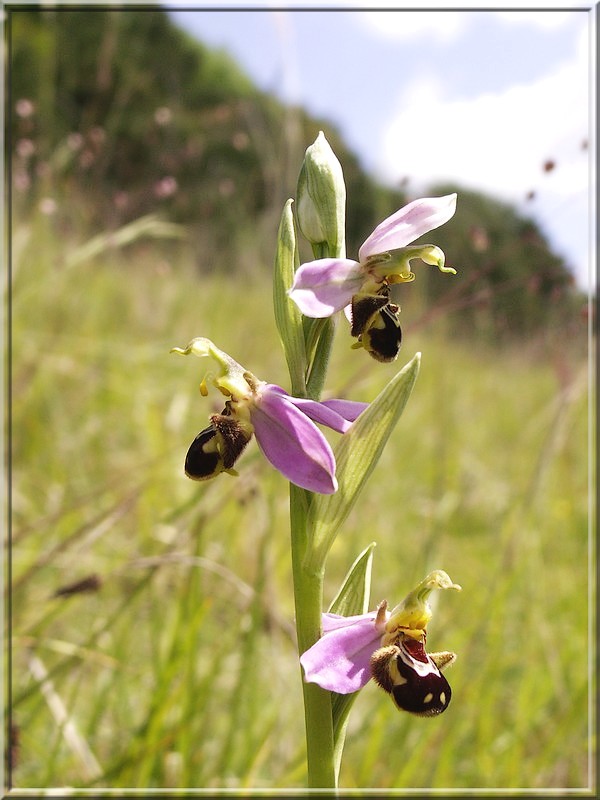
pixel 284 426
pixel 388 647
pixel 327 285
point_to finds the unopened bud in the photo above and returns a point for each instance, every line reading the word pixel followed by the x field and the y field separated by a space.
pixel 321 198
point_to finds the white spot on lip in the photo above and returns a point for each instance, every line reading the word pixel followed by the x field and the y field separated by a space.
pixel 443 698
pixel 428 698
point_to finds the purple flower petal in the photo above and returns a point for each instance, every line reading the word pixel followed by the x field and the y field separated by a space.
pixel 340 660
pixel 326 285
pixel 336 414
pixel 293 443
pixel 348 409
pixel 408 224
pixel 332 622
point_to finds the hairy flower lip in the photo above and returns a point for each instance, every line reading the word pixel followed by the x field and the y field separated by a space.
pixel 325 286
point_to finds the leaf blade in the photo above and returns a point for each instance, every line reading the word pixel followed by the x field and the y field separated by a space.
pixel 353 595
pixel 288 318
pixel 352 598
pixel 356 454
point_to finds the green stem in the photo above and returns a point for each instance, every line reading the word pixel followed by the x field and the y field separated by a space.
pixel 316 378
pixel 308 597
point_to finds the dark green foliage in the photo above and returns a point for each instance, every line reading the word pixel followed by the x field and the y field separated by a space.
pixel 145 117
pixel 132 116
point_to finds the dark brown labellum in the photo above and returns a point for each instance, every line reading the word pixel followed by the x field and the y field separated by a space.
pixel 376 325
pixel 365 307
pixel 203 460
pixel 410 676
pixel 217 447
pixel 383 337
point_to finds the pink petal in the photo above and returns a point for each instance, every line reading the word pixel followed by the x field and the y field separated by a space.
pixel 408 224
pixel 340 660
pixel 293 443
pixel 332 622
pixel 336 414
pixel 348 409
pixel 326 285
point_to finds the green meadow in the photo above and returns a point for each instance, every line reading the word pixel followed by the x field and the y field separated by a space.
pixel 152 616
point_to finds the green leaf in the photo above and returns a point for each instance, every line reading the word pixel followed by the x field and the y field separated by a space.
pixel 356 455
pixel 341 705
pixel 352 598
pixel 353 595
pixel 287 315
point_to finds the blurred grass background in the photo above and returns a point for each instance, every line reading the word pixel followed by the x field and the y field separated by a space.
pixel 152 617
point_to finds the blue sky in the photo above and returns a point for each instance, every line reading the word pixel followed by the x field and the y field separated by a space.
pixel 481 97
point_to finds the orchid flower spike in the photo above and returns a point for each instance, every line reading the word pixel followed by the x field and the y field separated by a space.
pixel 327 285
pixel 284 426
pixel 388 647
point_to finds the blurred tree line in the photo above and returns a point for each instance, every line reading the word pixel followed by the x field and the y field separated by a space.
pixel 117 113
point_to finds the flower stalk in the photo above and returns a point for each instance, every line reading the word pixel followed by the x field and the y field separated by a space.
pixel 315 524
pixel 341 650
pixel 308 599
pixel 320 210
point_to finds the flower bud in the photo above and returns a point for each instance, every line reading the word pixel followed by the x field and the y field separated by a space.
pixel 321 198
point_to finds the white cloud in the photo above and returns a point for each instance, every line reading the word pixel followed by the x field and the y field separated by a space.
pixel 411 25
pixel 441 26
pixel 498 143
pixel 543 19
pixel 495 140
